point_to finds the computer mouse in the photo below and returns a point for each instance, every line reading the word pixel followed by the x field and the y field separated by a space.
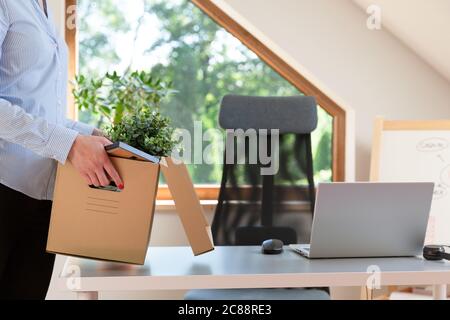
pixel 272 246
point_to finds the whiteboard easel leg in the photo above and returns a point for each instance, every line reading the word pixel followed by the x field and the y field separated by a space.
pixel 440 292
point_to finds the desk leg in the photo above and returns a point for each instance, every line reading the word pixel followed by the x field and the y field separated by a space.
pixel 440 292
pixel 87 295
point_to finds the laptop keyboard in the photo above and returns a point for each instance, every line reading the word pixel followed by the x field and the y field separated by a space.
pixel 300 247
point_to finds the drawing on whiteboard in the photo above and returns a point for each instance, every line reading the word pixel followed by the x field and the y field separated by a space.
pixel 440 191
pixel 437 145
pixel 417 151
pixel 433 145
pixel 445 176
pixel 441 157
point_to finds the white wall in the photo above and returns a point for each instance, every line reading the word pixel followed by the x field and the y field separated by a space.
pixel 370 72
pixel 420 25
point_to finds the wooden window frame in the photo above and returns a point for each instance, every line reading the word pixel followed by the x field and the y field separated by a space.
pixel 265 54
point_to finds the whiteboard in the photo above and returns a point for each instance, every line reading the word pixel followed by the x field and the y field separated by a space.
pixel 421 156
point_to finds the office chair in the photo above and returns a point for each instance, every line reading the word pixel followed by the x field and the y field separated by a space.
pixel 252 206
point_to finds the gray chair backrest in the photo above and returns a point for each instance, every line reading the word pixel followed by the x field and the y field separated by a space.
pixel 297 114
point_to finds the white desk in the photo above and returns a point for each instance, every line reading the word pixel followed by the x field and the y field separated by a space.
pixel 245 267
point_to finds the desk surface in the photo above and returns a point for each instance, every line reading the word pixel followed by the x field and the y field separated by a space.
pixel 245 267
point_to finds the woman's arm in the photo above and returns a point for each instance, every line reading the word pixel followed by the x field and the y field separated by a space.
pixel 49 140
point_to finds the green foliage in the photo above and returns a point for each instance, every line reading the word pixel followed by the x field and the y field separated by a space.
pixel 146 130
pixel 112 95
pixel 323 159
pixel 131 104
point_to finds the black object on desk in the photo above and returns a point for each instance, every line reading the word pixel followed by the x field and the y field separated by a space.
pixel 272 246
pixel 436 253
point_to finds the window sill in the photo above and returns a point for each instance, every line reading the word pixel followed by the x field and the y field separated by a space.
pixel 209 206
pixel 206 192
pixel 169 205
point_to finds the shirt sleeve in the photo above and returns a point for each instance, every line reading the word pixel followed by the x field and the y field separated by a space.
pixel 34 133
pixel 80 127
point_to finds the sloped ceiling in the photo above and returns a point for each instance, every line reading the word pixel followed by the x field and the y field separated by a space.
pixel 422 25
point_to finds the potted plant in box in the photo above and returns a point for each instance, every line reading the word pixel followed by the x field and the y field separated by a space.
pixel 131 106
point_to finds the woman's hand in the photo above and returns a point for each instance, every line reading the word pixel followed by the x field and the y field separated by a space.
pixel 90 159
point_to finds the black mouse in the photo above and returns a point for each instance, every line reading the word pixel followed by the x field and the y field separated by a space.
pixel 272 246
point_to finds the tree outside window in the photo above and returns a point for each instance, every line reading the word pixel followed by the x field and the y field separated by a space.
pixel 181 44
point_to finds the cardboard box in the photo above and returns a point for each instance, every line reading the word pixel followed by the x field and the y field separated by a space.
pixel 116 226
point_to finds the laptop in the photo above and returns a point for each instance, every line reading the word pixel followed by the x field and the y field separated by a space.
pixel 356 220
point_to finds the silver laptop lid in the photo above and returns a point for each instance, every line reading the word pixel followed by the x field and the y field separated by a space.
pixel 370 219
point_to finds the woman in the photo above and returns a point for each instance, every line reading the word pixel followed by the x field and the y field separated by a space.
pixel 34 136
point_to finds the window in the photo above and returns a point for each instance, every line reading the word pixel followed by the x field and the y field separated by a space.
pixel 181 43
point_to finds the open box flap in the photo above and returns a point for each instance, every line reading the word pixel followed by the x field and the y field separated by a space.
pixel 187 203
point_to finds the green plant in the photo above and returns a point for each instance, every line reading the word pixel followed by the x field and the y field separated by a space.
pixel 131 105
pixel 147 130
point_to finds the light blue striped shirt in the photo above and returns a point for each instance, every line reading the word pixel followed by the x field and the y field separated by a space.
pixel 34 130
